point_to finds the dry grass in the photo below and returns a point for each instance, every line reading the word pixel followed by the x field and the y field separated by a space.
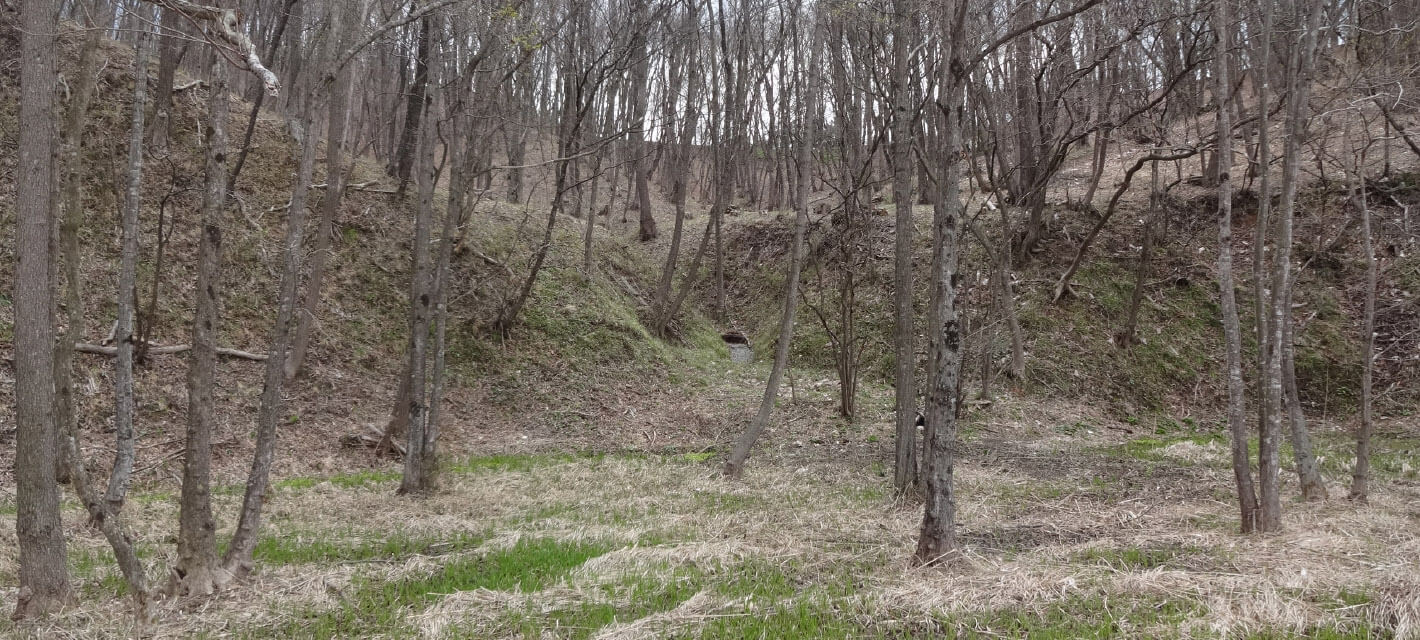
pixel 1063 531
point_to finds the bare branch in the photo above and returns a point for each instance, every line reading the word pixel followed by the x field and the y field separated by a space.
pixel 225 25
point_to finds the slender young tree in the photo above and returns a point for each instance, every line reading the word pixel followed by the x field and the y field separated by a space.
pixel 904 117
pixel 1232 333
pixel 1298 94
pixel 342 18
pixel 734 466
pixel 1360 474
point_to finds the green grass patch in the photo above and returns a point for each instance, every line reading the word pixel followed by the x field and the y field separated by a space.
pixel 379 607
pixel 356 479
pixel 1150 448
pixel 624 600
pixel 326 547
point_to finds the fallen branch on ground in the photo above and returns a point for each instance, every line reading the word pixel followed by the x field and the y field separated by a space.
pixel 84 347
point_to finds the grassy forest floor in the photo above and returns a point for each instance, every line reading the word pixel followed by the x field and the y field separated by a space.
pixel 1073 527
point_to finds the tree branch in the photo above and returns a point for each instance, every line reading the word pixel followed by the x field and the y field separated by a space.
pixel 224 24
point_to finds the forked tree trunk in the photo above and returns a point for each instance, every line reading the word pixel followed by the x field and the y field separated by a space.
pixel 103 509
pixel 1299 90
pixel 459 179
pixel 43 577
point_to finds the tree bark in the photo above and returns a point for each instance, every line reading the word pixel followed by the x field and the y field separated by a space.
pixel 260 96
pixel 103 509
pixel 937 541
pixel 680 186
pixel 1299 90
pixel 1128 334
pixel 43 577
pixel 196 572
pixel 414 107
pixel 413 480
pixel 639 171
pixel 71 206
pixel 170 53
pixel 1308 471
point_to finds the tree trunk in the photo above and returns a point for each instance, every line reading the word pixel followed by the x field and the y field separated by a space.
pixel 197 572
pixel 1262 229
pixel 238 559
pixel 43 577
pixel 1308 471
pixel 170 52
pixel 905 331
pixel 937 540
pixel 1299 90
pixel 71 206
pixel 260 96
pixel 1127 334
pixel 414 107
pixel 104 509
pixel 679 190
pixel 127 290
pixel 734 466
pixel 1360 475
pixel 938 536
pixel 639 170
pixel 1232 332
pixel 413 480
pixel 339 114
pixel 458 190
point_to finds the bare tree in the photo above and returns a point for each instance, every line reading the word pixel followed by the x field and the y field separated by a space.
pixel 1298 92
pixel 197 572
pixel 1232 333
pixel 904 117
pixel 1360 474
pixel 44 579
pixel 734 466
pixel 342 19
